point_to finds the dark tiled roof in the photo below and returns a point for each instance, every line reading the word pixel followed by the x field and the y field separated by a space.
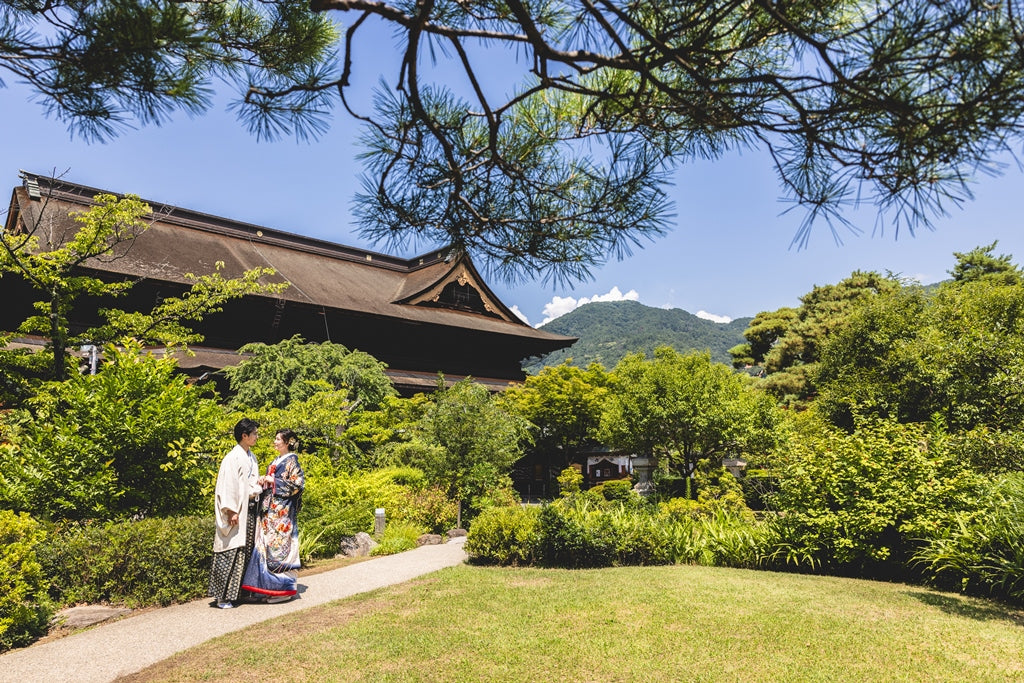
pixel 320 273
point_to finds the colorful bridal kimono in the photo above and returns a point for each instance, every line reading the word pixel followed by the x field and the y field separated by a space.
pixel 238 490
pixel 274 563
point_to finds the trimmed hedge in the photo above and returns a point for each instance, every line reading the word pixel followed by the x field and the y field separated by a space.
pixel 131 563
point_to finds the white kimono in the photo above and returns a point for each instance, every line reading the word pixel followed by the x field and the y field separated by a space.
pixel 237 483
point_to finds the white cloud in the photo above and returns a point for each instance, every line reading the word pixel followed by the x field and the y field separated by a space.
pixel 560 305
pixel 520 314
pixel 713 318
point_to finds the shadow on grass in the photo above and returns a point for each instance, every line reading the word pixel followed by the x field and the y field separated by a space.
pixel 977 609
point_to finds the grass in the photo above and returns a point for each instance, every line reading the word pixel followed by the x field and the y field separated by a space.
pixel 623 624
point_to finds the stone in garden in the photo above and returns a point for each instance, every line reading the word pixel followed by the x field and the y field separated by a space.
pixel 359 545
pixel 429 539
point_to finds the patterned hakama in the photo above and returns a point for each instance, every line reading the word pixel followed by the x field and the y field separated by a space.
pixel 229 566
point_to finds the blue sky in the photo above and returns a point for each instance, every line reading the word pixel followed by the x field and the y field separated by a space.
pixel 728 255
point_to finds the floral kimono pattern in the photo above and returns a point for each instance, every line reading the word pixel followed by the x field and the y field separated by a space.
pixel 274 563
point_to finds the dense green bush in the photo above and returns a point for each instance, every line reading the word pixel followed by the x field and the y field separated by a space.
pixel 25 608
pixel 982 552
pixel 578 532
pixel 575 533
pixel 428 508
pixel 330 512
pixel 638 535
pixel 720 539
pixel 130 563
pixel 130 440
pixel 504 535
pixel 860 503
pixel 989 450
pixel 620 490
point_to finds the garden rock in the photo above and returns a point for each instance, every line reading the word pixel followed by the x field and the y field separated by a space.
pixel 359 545
pixel 456 533
pixel 74 618
pixel 429 539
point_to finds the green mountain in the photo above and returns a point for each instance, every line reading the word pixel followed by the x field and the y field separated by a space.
pixel 608 330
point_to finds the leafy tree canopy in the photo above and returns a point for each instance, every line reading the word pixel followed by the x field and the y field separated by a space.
pixel 130 440
pixel 275 375
pixel 53 260
pixel 563 403
pixel 685 408
pixel 102 66
pixel 51 264
pixel 980 263
pixel 956 353
pixel 787 342
pixel 892 102
pixel 466 442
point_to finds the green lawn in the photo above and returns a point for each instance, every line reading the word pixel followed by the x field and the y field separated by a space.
pixel 677 623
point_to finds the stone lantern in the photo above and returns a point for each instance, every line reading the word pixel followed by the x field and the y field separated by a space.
pixel 642 469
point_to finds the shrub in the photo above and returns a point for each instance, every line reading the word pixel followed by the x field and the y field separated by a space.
pixel 991 451
pixel 574 534
pixel 428 508
pixel 131 563
pixel 579 532
pixel 618 490
pixel 330 511
pixel 25 608
pixel 500 494
pixel 569 481
pixel 334 507
pixel 638 535
pixel 730 539
pixel 982 552
pixel 860 503
pixel 130 440
pixel 504 535
pixel 397 538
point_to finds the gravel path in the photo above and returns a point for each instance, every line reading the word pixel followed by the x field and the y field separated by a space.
pixel 104 652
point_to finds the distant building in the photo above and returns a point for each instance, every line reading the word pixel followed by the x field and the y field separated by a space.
pixel 421 316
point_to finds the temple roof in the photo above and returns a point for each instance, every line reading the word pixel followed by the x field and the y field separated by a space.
pixel 320 273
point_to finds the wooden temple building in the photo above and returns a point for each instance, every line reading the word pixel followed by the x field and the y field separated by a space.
pixel 421 316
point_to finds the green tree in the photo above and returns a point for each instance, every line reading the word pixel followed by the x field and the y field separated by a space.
pixel 564 404
pixel 55 263
pixel 787 342
pixel 467 442
pixel 957 353
pixel 893 103
pixel 102 66
pixel 275 375
pixel 52 265
pixel 980 263
pixel 685 409
pixel 134 439
pixel 763 332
